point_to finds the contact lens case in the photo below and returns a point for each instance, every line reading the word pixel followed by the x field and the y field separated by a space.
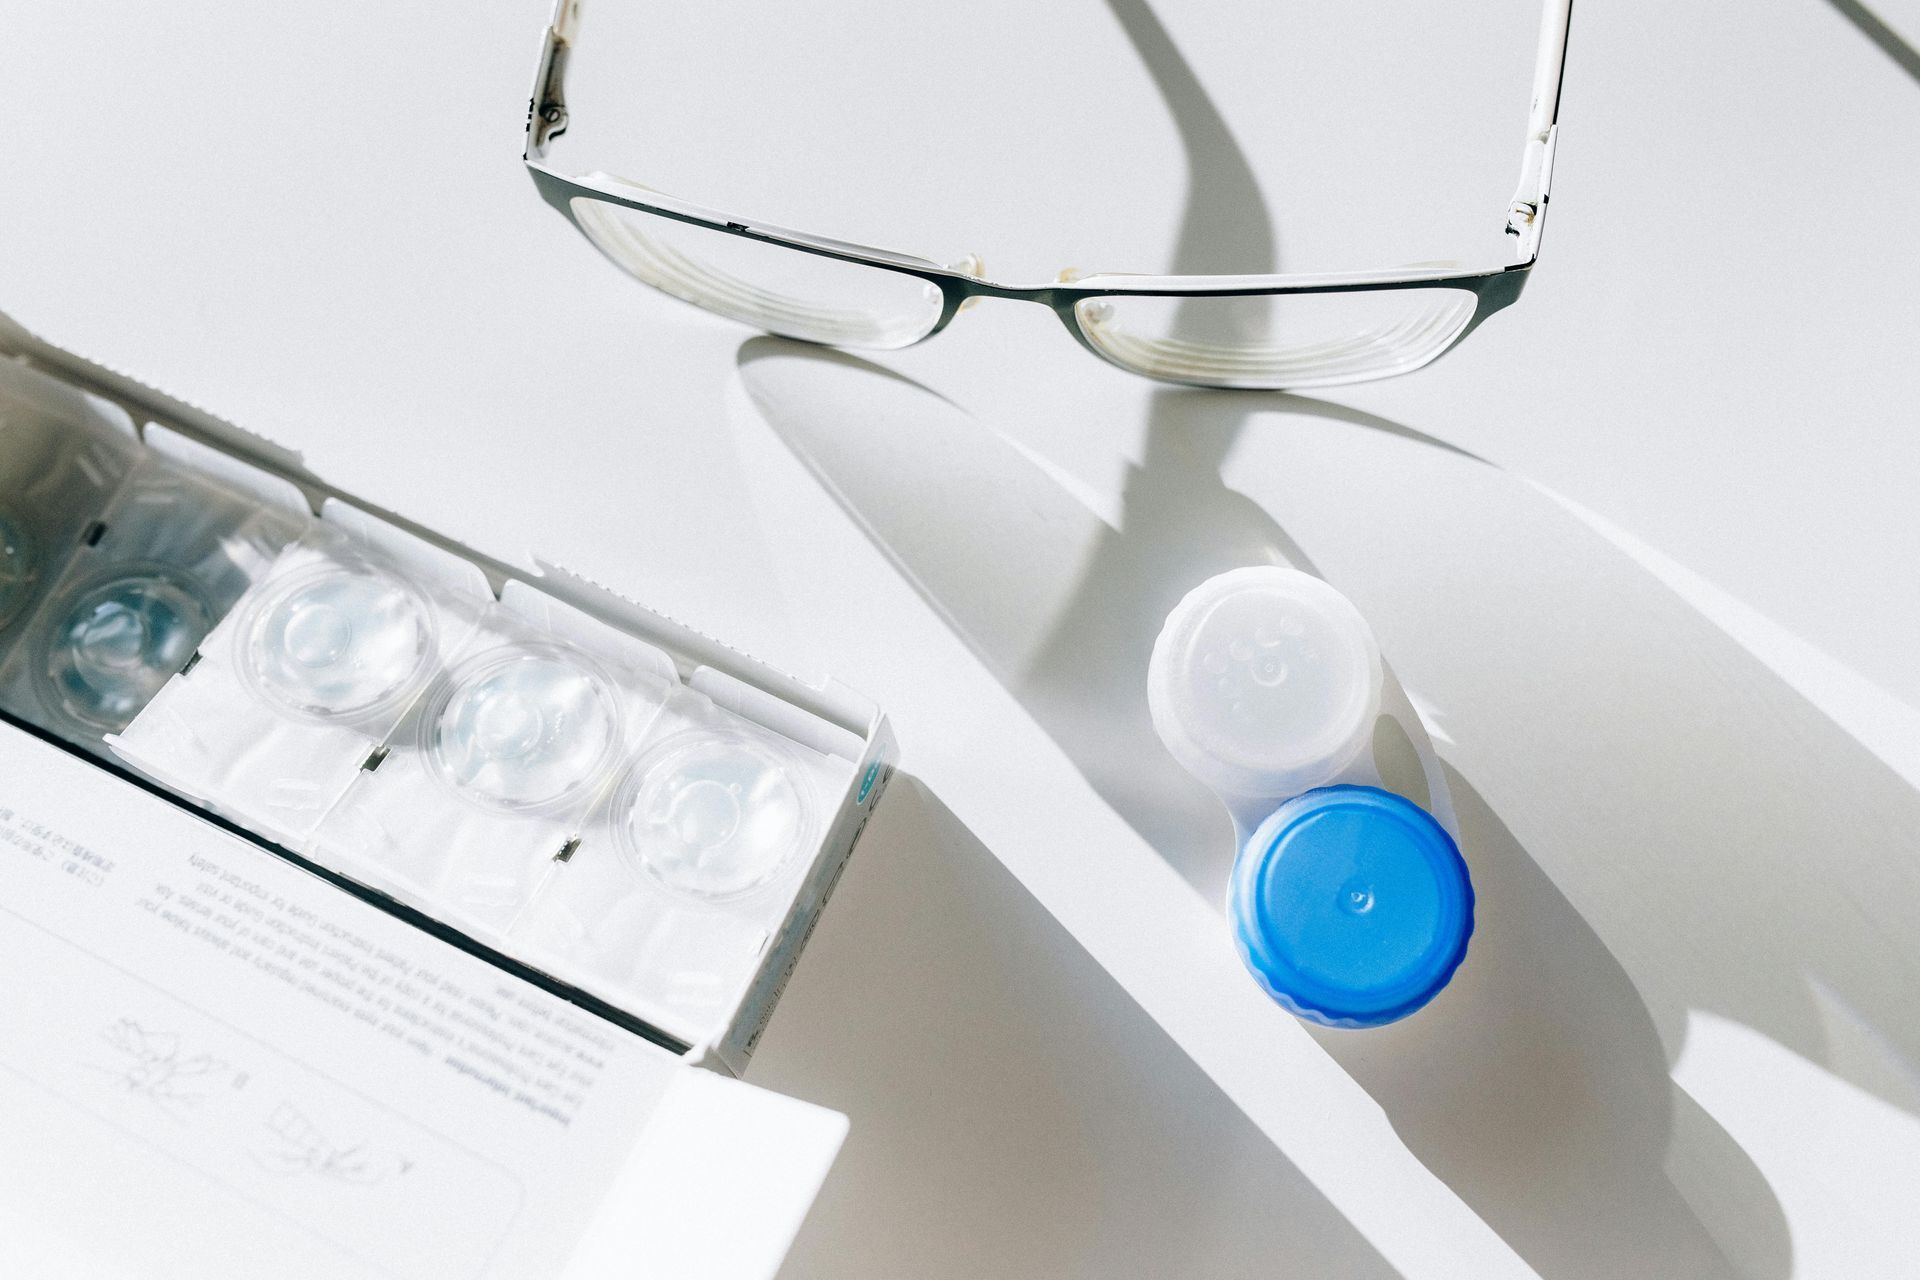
pixel 1265 681
pixel 1349 903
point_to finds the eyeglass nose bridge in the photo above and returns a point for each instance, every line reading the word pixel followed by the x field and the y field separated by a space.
pixel 1062 296
pixel 968 285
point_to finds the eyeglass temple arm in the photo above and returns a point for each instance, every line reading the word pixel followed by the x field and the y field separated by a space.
pixel 1527 214
pixel 547 108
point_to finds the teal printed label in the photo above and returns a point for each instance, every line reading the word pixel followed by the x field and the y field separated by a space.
pixel 866 783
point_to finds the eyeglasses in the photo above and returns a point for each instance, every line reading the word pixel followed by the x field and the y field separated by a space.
pixel 1260 332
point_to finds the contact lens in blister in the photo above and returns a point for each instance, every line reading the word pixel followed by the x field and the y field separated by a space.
pixel 114 641
pixel 19 568
pixel 524 728
pixel 339 642
pixel 712 814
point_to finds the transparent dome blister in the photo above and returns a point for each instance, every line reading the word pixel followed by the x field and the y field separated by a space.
pixel 528 727
pixel 63 455
pixel 110 642
pixel 712 813
pixel 338 641
pixel 156 565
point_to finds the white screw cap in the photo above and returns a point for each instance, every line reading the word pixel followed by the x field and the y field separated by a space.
pixel 1264 681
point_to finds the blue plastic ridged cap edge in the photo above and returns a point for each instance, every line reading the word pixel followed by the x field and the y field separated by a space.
pixel 1418 834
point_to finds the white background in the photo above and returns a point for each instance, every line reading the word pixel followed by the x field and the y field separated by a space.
pixel 1643 550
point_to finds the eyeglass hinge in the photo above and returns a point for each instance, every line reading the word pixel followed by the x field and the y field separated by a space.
pixel 547 109
pixel 1528 208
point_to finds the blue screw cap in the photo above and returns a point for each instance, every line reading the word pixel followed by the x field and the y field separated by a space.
pixel 1351 905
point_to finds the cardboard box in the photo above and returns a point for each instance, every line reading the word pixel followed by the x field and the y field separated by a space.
pixel 235 1042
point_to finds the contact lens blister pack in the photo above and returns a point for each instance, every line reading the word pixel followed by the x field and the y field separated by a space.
pixel 309 673
pixel 158 562
pixel 442 892
pixel 589 795
pixel 479 793
pixel 689 863
pixel 63 454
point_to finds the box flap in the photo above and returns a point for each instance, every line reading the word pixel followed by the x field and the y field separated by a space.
pixel 716 1187
pixel 214 1034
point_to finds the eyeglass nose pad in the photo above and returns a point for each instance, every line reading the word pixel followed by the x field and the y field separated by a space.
pixel 1090 311
pixel 971 265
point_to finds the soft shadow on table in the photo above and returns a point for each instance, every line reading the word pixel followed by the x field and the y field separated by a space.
pixel 1741 852
pixel 1014 1112
pixel 1537 1085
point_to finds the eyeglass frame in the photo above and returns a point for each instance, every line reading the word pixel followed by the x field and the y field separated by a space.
pixel 1493 289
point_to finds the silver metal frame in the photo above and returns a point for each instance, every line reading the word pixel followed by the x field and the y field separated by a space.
pixel 1493 288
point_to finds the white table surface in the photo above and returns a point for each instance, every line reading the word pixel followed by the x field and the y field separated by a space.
pixel 1643 551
